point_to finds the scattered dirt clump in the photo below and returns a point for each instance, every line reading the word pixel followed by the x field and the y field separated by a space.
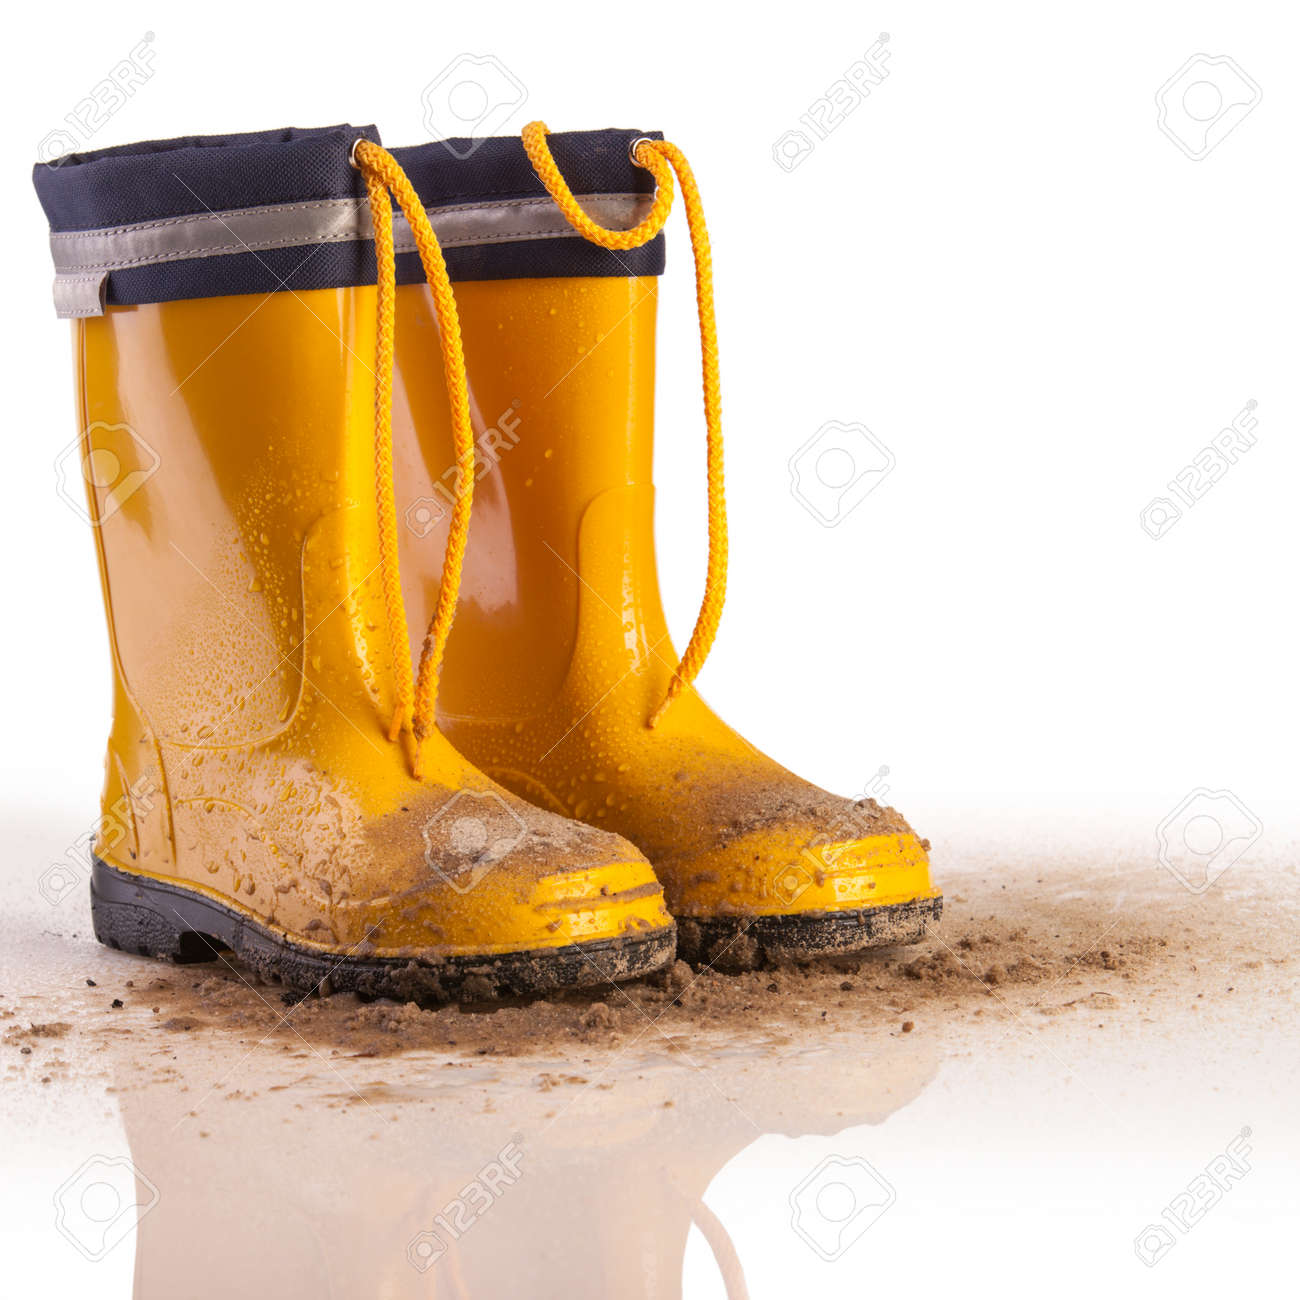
pixel 1008 945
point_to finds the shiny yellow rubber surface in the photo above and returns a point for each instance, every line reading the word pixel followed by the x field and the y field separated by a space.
pixel 560 652
pixel 231 485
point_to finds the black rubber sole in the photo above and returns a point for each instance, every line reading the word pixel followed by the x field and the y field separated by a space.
pixel 156 919
pixel 742 943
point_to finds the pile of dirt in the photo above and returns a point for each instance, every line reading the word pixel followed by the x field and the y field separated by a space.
pixel 1008 945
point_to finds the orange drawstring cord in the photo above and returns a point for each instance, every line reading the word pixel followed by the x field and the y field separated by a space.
pixel 416 702
pixel 662 159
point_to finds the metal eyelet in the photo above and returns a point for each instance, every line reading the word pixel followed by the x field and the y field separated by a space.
pixel 634 146
pixel 352 153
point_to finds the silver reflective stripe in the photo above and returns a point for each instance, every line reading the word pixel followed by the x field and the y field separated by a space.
pixel 79 295
pixel 84 258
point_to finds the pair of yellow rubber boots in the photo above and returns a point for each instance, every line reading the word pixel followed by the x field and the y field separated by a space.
pixel 302 447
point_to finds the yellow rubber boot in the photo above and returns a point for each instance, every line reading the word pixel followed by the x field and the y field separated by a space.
pixel 561 680
pixel 254 796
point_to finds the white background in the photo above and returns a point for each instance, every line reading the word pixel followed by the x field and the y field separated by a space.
pixel 997 262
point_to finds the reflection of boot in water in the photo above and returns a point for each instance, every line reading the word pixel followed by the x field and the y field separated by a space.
pixel 573 1184
pixel 624 1172
pixel 287 1183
